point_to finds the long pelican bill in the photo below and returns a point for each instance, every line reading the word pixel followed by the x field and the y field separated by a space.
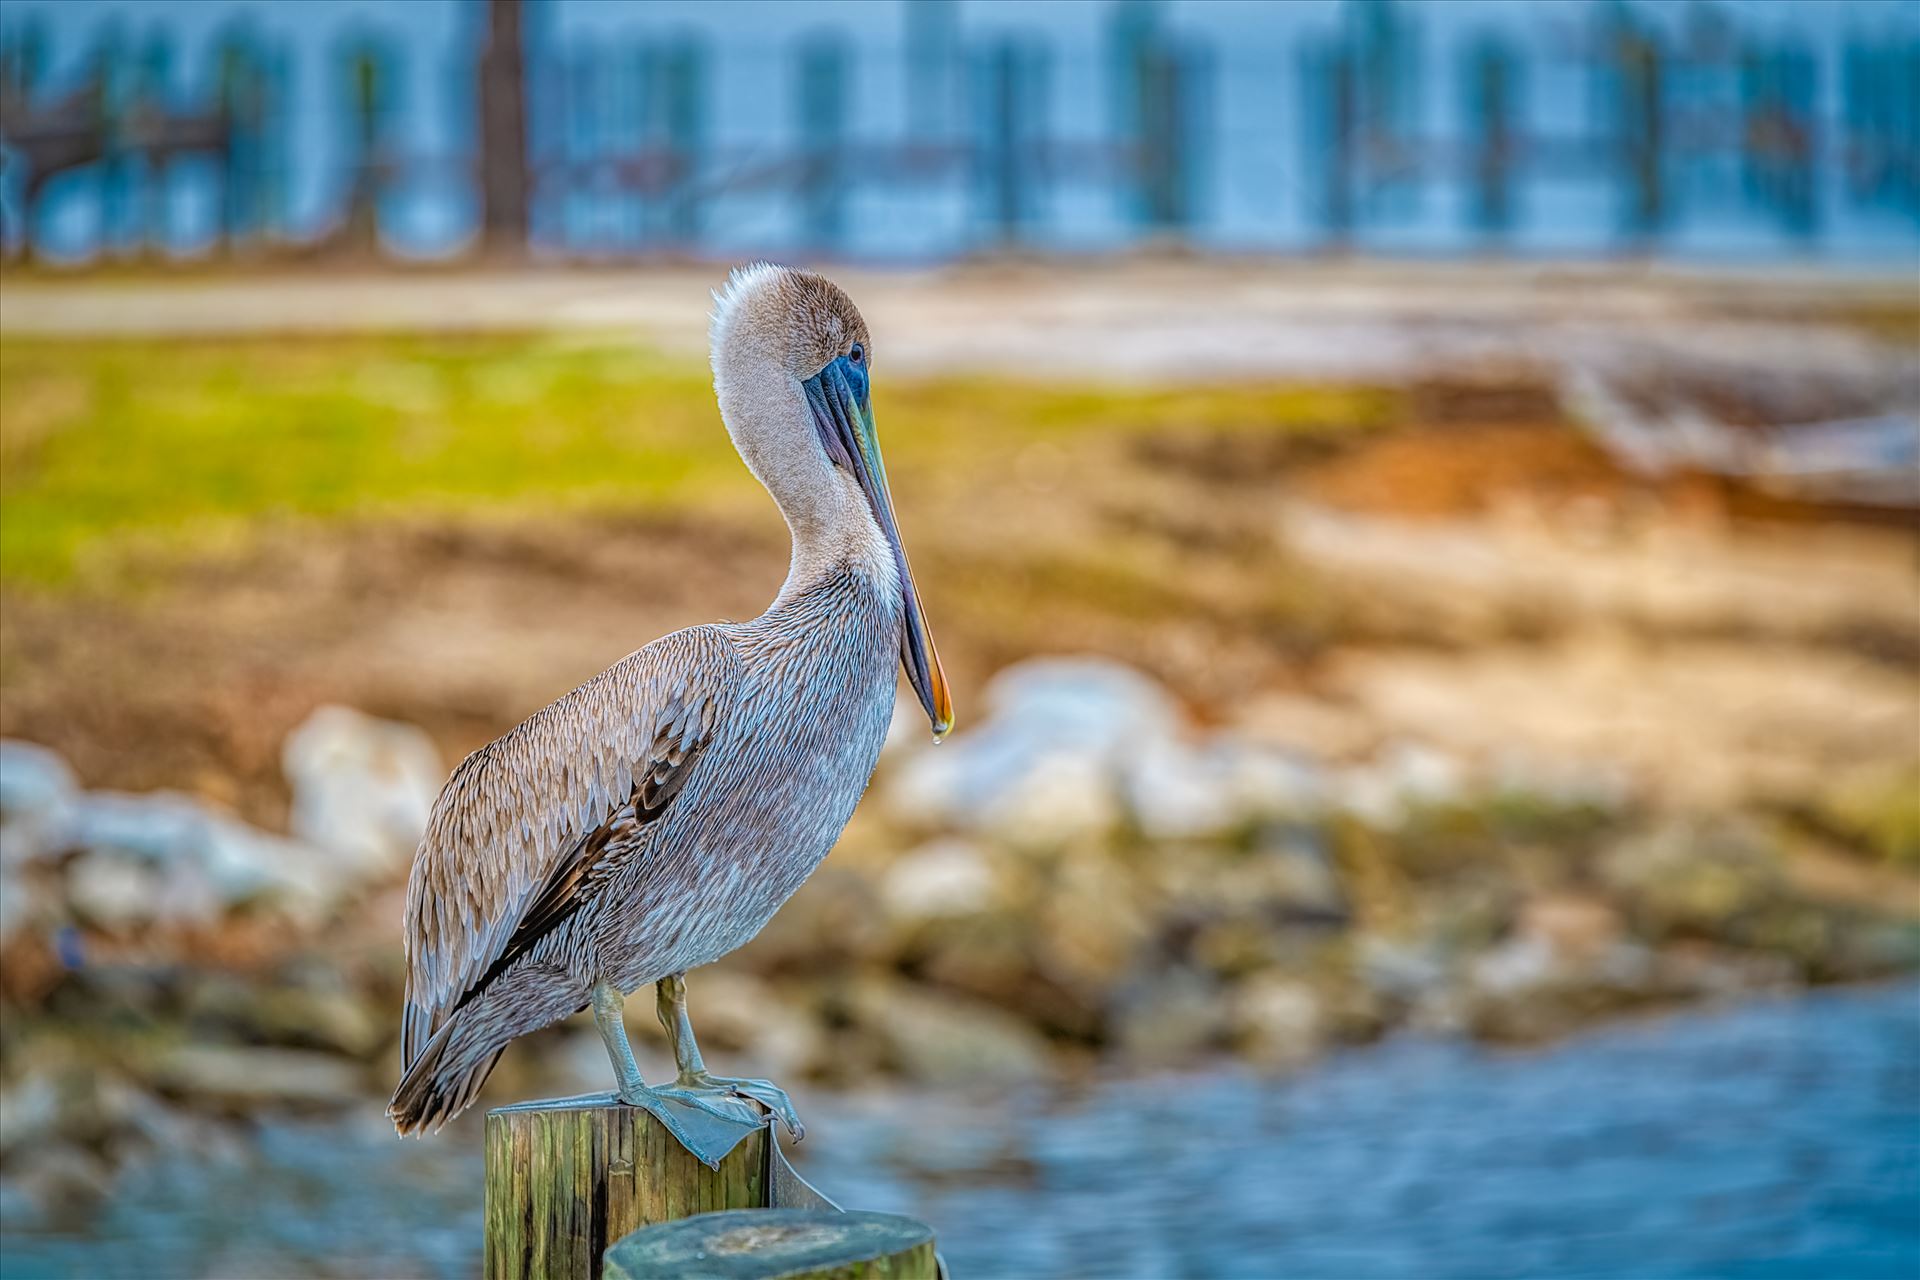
pixel 843 413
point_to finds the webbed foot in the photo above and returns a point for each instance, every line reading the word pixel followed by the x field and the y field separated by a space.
pixel 709 1124
pixel 765 1092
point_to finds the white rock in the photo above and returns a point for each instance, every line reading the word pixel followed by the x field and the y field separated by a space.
pixel 1516 966
pixel 1062 796
pixel 1008 782
pixel 1090 702
pixel 113 892
pixel 362 787
pixel 1044 764
pixel 1277 1019
pixel 243 860
pixel 32 777
pixel 1407 776
pixel 1174 794
pixel 36 811
pixel 1179 792
pixel 1269 782
pixel 1071 745
pixel 164 858
pixel 37 792
pixel 946 877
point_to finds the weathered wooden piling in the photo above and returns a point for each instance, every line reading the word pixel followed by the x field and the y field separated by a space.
pixel 564 1182
pixel 791 1244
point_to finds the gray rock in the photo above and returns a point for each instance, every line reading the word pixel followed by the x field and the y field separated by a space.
pixel 246 1076
pixel 278 1013
pixel 1686 876
pixel 1277 1020
pixel 1411 972
pixel 1171 1018
pixel 29 1113
pixel 1567 959
pixel 57 1180
pixel 947 1042
pixel 1299 867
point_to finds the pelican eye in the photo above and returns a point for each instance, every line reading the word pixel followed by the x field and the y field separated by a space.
pixel 858 355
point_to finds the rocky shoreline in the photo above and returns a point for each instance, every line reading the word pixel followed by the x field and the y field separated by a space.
pixel 1086 880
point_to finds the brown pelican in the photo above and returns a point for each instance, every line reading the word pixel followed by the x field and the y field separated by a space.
pixel 655 818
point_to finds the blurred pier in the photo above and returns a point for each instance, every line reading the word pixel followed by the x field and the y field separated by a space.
pixel 1622 129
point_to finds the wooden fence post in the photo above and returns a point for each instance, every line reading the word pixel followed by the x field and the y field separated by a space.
pixel 822 110
pixel 564 1182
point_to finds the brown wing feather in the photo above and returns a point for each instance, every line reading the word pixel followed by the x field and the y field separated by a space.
pixel 517 833
pixel 600 852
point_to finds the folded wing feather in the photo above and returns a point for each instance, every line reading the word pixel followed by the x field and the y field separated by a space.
pixel 529 824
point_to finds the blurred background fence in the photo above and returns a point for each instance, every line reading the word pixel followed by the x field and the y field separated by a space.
pixel 584 131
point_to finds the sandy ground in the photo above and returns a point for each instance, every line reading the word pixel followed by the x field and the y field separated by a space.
pixel 1137 319
pixel 1704 661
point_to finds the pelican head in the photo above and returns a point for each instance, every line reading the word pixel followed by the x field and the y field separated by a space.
pixel 792 364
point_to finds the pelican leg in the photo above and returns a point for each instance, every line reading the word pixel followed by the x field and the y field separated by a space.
pixel 695 1080
pixel 607 1004
pixel 707 1125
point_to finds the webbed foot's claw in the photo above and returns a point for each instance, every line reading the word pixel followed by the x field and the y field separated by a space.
pixel 765 1092
pixel 769 1095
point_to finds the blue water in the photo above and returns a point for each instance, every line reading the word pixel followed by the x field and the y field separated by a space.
pixel 1782 1139
pixel 1776 1139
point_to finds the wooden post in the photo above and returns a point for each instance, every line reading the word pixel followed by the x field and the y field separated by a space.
pixel 563 1182
pixel 1491 98
pixel 1642 129
pixel 791 1244
pixel 505 193
pixel 368 88
pixel 1008 199
pixel 823 125
pixel 683 102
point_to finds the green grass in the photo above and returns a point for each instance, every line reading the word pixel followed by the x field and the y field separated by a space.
pixel 107 445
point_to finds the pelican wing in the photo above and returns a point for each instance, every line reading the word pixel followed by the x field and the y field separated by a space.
pixel 530 823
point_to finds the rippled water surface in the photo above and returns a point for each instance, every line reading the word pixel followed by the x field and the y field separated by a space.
pixel 1776 1139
